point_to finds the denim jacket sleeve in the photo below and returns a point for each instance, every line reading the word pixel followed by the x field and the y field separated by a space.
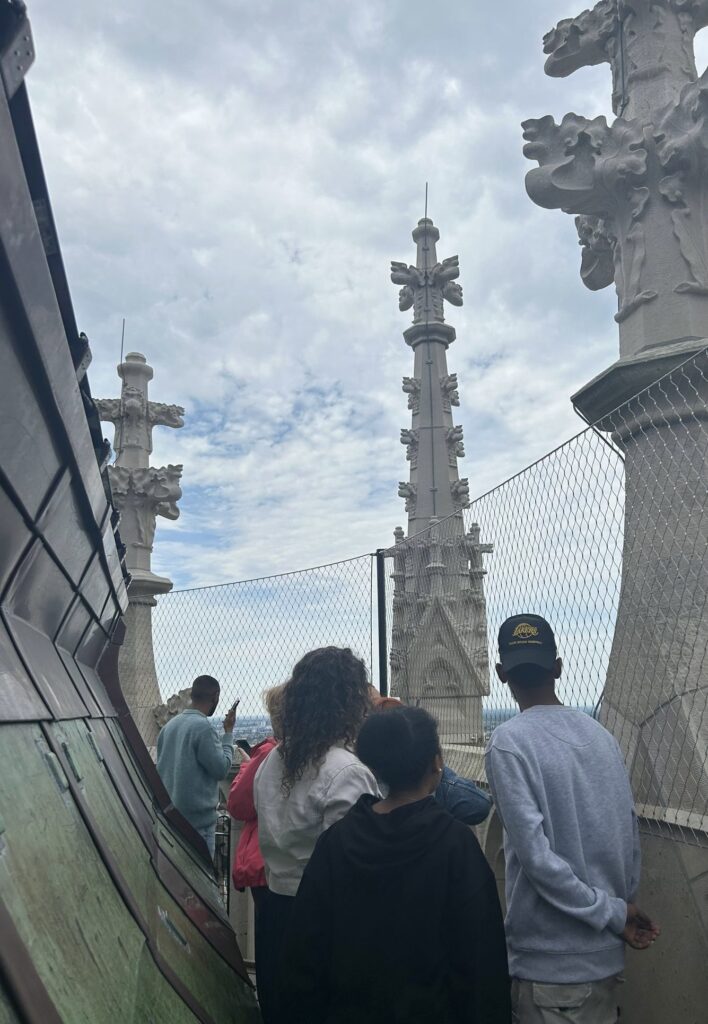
pixel 462 799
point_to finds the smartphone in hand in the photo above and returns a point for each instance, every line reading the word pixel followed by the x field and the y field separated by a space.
pixel 230 717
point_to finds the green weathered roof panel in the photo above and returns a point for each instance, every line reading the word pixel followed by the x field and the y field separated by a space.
pixel 208 977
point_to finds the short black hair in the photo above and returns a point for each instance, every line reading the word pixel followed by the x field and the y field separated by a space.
pixel 204 687
pixel 530 676
pixel 399 746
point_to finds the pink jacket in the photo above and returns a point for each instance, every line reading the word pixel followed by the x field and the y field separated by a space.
pixel 248 870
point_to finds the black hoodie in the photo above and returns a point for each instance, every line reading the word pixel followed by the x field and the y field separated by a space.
pixel 396 921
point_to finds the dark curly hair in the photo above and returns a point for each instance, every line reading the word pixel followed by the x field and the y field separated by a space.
pixel 325 702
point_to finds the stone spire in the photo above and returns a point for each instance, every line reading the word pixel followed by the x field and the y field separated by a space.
pixel 433 442
pixel 141 492
pixel 439 633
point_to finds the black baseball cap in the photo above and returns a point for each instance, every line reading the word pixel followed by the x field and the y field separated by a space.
pixel 526 640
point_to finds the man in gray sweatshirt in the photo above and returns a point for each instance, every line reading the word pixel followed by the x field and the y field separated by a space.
pixel 191 759
pixel 570 839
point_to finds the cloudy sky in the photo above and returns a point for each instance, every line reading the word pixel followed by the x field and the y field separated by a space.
pixel 233 178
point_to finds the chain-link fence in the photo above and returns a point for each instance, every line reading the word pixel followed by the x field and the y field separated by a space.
pixel 606 537
pixel 250 634
pixel 547 541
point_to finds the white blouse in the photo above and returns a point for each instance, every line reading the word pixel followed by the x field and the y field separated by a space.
pixel 289 826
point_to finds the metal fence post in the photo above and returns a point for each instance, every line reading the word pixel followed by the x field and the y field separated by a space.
pixel 381 619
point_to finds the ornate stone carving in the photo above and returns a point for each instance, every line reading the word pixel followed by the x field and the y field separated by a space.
pixel 108 409
pixel 439 657
pixel 581 41
pixel 132 415
pixel 597 265
pixel 411 386
pixel 595 37
pixel 427 285
pixel 425 290
pixel 129 415
pixel 409 492
pixel 475 549
pixel 629 258
pixel 142 494
pixel 682 145
pixel 590 168
pixel 586 165
pixel 640 185
pixel 455 446
pixel 691 249
pixel 448 384
pixel 174 705
pixel 165 415
pixel 652 225
pixel 460 490
pixel 410 439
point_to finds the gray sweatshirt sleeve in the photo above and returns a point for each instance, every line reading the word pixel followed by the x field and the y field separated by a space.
pixel 551 876
pixel 215 755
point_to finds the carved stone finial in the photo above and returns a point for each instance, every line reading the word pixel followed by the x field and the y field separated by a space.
pixel 451 396
pixel 410 439
pixel 455 445
pixel 133 415
pixel 429 283
pixel 142 494
pixel 460 490
pixel 140 491
pixel 411 386
pixel 409 492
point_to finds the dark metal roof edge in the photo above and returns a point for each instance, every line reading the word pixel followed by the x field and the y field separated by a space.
pixel 79 350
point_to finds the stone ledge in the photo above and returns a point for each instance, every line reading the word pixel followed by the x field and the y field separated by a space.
pixel 625 378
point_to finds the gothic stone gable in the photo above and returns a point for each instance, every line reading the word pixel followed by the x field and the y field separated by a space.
pixel 442 673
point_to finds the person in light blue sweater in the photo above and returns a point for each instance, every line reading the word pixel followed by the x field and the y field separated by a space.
pixel 191 759
pixel 570 838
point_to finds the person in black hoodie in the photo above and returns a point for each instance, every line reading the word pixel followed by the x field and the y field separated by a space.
pixel 397 918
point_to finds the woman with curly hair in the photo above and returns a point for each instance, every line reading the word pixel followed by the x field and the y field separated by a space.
pixel 303 786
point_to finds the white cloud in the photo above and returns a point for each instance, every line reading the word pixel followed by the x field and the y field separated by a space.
pixel 234 179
